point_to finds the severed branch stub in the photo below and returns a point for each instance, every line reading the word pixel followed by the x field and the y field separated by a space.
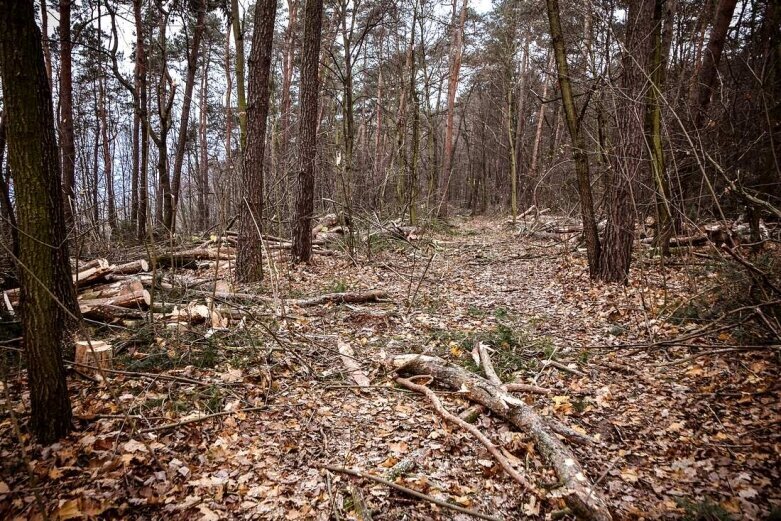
pixel 578 492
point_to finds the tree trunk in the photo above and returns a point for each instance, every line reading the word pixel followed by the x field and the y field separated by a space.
pixel 706 80
pixel 141 110
pixel 456 51
pixel 628 160
pixel 192 66
pixel 310 90
pixel 579 154
pixel 47 294
pixel 249 264
pixel 47 55
pixel 238 36
pixel 203 144
pixel 653 124
pixel 67 146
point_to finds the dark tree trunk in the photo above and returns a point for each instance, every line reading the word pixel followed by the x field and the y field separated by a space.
pixel 192 66
pixel 579 154
pixel 142 113
pixel 310 90
pixel 629 157
pixel 706 80
pixel 249 265
pixel 44 269
pixel 67 146
pixel 6 205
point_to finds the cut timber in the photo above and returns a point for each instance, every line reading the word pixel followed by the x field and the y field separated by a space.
pixel 341 298
pixel 139 298
pixel 579 493
pixel 93 275
pixel 187 258
pixel 108 313
pixel 85 265
pixel 112 289
pixel 351 364
pixel 131 268
pixel 94 354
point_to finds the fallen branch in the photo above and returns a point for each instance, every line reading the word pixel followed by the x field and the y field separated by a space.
pixel 351 364
pixel 471 429
pixel 199 419
pixel 414 493
pixel 577 491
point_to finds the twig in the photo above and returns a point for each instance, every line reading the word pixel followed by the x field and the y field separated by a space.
pixel 199 419
pixel 526 388
pixel 411 492
pixel 474 431
pixel 559 365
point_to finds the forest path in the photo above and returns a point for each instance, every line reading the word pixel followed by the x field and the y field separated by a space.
pixel 662 445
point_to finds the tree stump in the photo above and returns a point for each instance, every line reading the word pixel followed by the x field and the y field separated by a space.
pixel 99 355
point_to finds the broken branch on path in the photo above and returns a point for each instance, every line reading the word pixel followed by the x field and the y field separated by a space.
pixel 409 491
pixel 577 491
pixel 471 429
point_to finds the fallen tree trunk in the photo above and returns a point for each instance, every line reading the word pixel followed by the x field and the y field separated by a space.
pixel 577 491
pixel 186 258
pixel 340 298
pixel 108 313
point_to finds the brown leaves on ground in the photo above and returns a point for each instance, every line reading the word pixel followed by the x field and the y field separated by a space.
pixel 672 439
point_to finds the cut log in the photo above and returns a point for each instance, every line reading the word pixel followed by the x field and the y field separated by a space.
pixel 341 298
pixel 578 492
pixel 92 275
pixel 138 299
pixel 79 265
pixel 95 354
pixel 112 289
pixel 131 268
pixel 188 258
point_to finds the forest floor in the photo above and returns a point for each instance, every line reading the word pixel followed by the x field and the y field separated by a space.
pixel 682 432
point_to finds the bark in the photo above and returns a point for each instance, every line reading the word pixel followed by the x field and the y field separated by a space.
pixel 249 265
pixel 310 89
pixel 166 90
pixel 578 492
pixel 456 51
pixel 184 115
pixel 67 146
pixel 579 154
pixel 628 161
pixel 47 293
